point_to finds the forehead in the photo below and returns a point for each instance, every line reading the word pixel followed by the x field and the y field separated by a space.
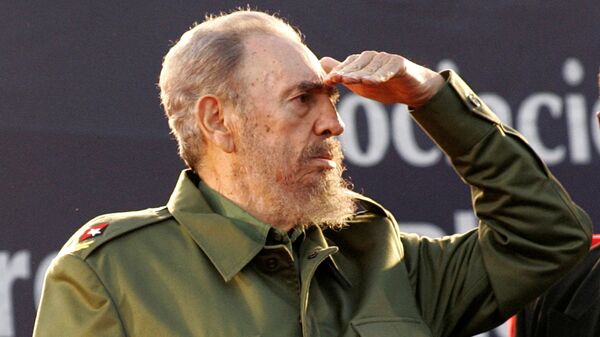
pixel 278 62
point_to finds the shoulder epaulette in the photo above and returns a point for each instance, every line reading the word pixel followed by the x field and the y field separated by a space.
pixel 109 226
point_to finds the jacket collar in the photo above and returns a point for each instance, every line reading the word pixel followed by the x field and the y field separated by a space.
pixel 212 231
pixel 230 244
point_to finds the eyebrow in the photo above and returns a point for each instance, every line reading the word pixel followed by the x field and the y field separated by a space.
pixel 314 86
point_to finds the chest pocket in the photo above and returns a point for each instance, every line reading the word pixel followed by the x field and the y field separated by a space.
pixel 390 327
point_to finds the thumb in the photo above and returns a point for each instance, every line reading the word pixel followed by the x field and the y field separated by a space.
pixel 328 63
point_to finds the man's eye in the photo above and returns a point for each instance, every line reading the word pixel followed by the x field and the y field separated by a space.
pixel 304 98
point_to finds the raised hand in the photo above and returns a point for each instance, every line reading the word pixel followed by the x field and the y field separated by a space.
pixel 384 77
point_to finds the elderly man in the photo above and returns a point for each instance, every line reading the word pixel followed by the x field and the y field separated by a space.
pixel 262 236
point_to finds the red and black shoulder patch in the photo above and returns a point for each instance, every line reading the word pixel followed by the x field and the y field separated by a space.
pixel 93 231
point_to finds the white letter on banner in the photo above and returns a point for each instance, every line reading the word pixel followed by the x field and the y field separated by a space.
pixel 464 220
pixel 10 270
pixel 377 126
pixel 576 113
pixel 405 141
pixel 595 126
pixel 579 145
pixel 527 123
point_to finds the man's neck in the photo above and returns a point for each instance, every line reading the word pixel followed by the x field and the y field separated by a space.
pixel 237 189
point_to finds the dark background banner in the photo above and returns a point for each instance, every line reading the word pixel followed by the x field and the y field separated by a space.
pixel 82 132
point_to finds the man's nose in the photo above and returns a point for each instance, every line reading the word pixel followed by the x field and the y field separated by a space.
pixel 329 123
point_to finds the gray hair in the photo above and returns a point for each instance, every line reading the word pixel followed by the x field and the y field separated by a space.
pixel 204 61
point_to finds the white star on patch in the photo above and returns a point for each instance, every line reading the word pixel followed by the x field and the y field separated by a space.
pixel 95 231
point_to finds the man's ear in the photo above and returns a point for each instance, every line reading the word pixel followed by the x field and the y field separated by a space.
pixel 210 116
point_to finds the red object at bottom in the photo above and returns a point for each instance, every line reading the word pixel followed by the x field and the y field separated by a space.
pixel 595 239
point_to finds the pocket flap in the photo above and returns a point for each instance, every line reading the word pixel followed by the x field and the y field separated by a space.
pixel 390 327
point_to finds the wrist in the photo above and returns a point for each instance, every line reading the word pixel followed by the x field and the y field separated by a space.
pixel 431 84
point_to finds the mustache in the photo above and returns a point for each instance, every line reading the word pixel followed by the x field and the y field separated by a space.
pixel 328 148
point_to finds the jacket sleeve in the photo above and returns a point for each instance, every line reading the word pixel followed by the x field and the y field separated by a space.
pixel 75 303
pixel 530 231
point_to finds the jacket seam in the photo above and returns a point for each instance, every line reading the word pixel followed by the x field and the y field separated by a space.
pixel 110 297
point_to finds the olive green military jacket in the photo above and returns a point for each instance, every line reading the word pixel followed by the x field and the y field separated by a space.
pixel 184 270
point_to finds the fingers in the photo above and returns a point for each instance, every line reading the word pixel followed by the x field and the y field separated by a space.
pixel 351 64
pixel 357 62
pixel 381 69
pixel 368 68
pixel 328 63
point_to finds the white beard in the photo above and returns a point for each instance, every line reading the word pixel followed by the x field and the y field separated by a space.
pixel 269 184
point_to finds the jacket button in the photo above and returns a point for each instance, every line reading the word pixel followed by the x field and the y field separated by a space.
pixel 271 264
pixel 474 100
